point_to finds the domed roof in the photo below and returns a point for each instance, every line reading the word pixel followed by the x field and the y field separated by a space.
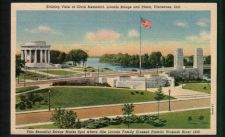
pixel 35 43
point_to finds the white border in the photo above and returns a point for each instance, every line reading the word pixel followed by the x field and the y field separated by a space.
pixel 212 7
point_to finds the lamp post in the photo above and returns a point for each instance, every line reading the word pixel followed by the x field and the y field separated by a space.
pixel 157 69
pixel 98 72
pixel 169 99
pixel 47 73
pixel 182 79
pixel 24 76
pixel 145 84
pixel 85 70
pixel 49 103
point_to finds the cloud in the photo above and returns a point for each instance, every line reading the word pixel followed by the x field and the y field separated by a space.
pixel 132 33
pixel 202 37
pixel 102 35
pixel 203 22
pixel 181 24
pixel 42 29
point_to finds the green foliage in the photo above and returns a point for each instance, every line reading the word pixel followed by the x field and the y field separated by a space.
pixel 201 117
pixel 19 65
pixel 189 118
pixel 64 119
pixel 77 56
pixel 207 60
pixel 188 61
pixel 159 123
pixel 148 61
pixel 28 100
pixel 159 94
pixel 57 57
pixel 128 110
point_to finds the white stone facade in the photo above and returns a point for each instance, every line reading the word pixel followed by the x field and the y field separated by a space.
pixel 192 73
pixel 135 82
pixel 198 61
pixel 179 59
pixel 36 54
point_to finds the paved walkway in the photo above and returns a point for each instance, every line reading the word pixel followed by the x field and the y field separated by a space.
pixel 42 73
pixel 151 113
pixel 42 86
pixel 180 93
pixel 111 110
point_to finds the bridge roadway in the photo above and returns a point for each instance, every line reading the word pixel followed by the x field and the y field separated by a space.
pixel 112 74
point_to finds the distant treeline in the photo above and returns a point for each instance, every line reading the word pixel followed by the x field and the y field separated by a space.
pixel 148 60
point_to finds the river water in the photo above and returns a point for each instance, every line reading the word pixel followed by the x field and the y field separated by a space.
pixel 94 62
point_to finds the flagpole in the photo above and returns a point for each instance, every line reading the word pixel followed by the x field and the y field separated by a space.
pixel 140 48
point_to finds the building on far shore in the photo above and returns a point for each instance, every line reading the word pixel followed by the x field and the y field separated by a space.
pixel 36 54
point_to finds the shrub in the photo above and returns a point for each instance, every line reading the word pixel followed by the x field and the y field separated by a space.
pixel 204 88
pixel 133 119
pixel 142 93
pixel 137 92
pixel 29 104
pixel 64 119
pixel 189 118
pixel 78 124
pixel 158 123
pixel 23 98
pixel 201 117
pixel 116 121
pixel 22 105
pixel 132 93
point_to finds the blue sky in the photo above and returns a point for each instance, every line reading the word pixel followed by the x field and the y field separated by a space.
pixel 115 31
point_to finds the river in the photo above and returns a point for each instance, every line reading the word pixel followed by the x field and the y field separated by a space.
pixel 94 62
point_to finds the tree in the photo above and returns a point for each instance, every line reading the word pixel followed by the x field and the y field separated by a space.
pixel 155 58
pixel 159 96
pixel 83 56
pixel 57 57
pixel 207 60
pixel 64 119
pixel 128 110
pixel 77 56
pixel 19 65
pixel 169 60
pixel 162 61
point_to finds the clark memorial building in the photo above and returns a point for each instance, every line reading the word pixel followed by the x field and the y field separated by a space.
pixel 36 54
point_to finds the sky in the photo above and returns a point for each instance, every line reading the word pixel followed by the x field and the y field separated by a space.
pixel 99 32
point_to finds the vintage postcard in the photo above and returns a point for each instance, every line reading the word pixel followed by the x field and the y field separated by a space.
pixel 114 68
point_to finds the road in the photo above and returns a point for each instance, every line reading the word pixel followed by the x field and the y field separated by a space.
pixel 112 110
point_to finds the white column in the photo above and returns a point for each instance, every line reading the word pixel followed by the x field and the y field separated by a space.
pixel 45 56
pixel 35 56
pixel 48 56
pixel 40 56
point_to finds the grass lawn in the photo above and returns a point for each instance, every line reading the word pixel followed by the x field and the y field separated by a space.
pixel 30 75
pixel 91 69
pixel 178 120
pixel 24 89
pixel 60 72
pixel 203 87
pixel 89 96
